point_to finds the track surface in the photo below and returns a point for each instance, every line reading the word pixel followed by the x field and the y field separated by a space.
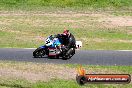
pixel 91 57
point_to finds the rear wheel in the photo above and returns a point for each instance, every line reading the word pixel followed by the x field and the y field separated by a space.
pixel 39 52
pixel 65 57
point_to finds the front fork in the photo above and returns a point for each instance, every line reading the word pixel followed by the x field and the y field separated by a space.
pixel 45 48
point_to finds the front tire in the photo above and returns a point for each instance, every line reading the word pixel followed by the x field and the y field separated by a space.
pixel 39 52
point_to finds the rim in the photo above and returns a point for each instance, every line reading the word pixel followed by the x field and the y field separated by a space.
pixel 40 53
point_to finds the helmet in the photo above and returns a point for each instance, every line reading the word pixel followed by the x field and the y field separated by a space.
pixel 66 32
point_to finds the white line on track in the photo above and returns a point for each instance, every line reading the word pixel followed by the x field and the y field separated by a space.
pixel 78 49
pixel 36 48
pixel 29 48
pixel 123 50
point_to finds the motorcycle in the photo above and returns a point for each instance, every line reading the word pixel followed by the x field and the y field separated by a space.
pixel 53 48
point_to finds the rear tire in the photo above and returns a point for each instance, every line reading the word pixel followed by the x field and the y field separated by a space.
pixel 39 52
pixel 65 57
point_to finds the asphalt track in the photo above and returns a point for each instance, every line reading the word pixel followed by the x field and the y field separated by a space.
pixel 89 57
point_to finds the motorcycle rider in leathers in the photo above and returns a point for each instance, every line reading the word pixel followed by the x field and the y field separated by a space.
pixel 67 39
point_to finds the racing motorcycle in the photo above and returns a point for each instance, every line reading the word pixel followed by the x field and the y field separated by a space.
pixel 53 48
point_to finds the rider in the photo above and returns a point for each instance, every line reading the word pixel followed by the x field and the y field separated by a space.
pixel 68 39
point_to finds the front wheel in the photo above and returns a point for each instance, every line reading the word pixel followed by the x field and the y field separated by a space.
pixel 39 52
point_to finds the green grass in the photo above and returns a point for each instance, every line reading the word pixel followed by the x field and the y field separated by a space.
pixel 29 29
pixel 73 84
pixel 23 23
pixel 26 23
pixel 58 83
pixel 10 80
pixel 120 69
pixel 14 83
pixel 76 4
